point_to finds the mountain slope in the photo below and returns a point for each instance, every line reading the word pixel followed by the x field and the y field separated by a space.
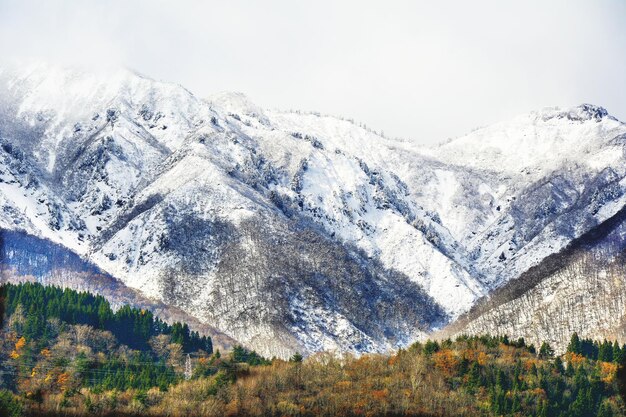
pixel 26 258
pixel 581 289
pixel 174 198
pixel 558 173
pixel 292 231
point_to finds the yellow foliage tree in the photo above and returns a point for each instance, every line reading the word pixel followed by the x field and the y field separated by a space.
pixel 446 361
pixel 608 371
pixel 63 379
pixel 19 345
pixel 21 342
pixel 574 358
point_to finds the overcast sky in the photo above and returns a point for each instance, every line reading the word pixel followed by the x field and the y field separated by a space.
pixel 423 70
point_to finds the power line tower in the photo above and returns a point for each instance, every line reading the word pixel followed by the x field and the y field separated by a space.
pixel 188 368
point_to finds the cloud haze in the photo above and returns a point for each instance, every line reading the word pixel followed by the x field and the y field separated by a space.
pixel 414 69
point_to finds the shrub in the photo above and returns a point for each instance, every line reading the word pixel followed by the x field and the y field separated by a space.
pixel 10 406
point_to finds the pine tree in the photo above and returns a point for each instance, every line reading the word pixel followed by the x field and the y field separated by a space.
pixel 618 353
pixel 546 351
pixel 515 406
pixel 9 405
pixel 558 365
pixel 574 344
pixel 605 410
pixel 473 377
pixel 239 354
pixel 431 347
pixel 543 409
pixel 297 357
pixel 605 352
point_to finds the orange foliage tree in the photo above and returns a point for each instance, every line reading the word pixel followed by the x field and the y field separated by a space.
pixel 446 361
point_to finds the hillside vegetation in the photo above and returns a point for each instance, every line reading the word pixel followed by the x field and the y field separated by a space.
pixel 68 353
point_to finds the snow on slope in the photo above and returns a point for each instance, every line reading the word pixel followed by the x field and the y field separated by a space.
pixel 136 188
pixel 348 187
pixel 549 177
pixel 534 143
pixel 164 191
pixel 581 289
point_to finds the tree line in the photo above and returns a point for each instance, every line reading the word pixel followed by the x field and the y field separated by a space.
pixel 131 326
pixel 64 352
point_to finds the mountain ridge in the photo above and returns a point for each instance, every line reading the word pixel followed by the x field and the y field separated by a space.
pixel 166 191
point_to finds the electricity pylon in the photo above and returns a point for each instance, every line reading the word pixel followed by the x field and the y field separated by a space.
pixel 188 369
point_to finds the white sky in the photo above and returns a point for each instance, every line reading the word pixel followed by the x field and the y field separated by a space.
pixel 425 70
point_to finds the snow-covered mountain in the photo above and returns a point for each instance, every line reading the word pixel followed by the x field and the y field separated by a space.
pixel 580 289
pixel 291 231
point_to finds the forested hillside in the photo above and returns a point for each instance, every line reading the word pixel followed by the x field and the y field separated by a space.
pixel 68 353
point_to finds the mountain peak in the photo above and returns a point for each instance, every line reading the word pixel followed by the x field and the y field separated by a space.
pixel 234 102
pixel 73 89
pixel 582 113
pixel 541 139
